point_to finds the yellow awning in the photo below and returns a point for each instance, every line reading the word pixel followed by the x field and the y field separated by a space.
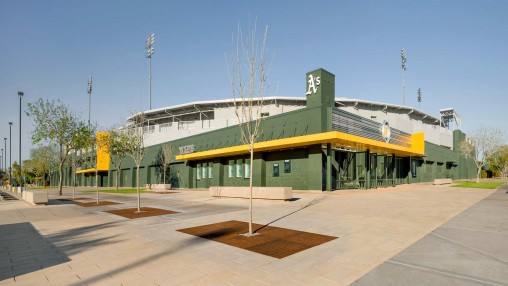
pixel 91 170
pixel 338 139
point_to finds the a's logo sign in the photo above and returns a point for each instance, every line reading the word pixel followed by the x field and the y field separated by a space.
pixel 385 131
pixel 314 82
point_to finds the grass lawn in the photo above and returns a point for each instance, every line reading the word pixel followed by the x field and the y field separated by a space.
pixel 120 191
pixel 482 185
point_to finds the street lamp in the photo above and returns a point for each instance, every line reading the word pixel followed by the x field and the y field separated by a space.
pixel 10 154
pixel 5 156
pixel 149 52
pixel 20 94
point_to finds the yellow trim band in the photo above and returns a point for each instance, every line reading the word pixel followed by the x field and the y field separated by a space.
pixel 339 139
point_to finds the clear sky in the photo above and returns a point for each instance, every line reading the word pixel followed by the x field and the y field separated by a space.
pixel 456 53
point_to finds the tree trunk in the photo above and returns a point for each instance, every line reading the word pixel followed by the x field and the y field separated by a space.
pixel 117 179
pixel 97 183
pixel 60 180
pixel 478 175
pixel 164 176
pixel 74 186
pixel 250 185
pixel 137 183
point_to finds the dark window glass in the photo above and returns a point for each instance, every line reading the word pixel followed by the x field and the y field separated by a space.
pixel 275 170
pixel 413 168
pixel 287 166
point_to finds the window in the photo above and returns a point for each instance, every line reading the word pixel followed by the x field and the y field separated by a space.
pixel 231 168
pixel 198 171
pixel 204 171
pixel 149 129
pixel 165 127
pixel 287 166
pixel 239 168
pixel 210 170
pixel 247 168
pixel 275 170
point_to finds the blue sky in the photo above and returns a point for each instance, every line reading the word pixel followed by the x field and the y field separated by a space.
pixel 456 53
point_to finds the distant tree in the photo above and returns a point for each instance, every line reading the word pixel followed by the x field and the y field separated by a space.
pixel 42 158
pixel 167 158
pixel 55 123
pixel 136 146
pixel 16 172
pixel 248 73
pixel 499 160
pixel 28 171
pixel 480 145
pixel 117 145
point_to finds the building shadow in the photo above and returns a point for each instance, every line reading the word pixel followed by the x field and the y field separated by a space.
pixel 24 250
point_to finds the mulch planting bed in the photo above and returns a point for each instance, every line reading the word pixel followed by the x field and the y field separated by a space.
pixel 81 199
pixel 94 204
pixel 271 241
pixel 72 200
pixel 65 200
pixel 145 212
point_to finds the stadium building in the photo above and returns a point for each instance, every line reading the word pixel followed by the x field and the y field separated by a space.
pixel 319 142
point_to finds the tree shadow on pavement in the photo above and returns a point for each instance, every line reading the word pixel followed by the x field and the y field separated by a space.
pixel 309 204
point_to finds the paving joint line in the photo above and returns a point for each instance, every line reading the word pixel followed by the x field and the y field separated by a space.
pixel 470 248
pixel 445 273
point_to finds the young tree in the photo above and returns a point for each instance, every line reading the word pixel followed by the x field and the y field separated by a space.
pixel 54 122
pixel 480 145
pixel 167 158
pixel 136 146
pixel 248 74
pixel 76 161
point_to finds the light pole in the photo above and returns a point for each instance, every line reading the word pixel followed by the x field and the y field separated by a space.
pixel 403 56
pixel 5 156
pixel 10 154
pixel 89 99
pixel 20 94
pixel 149 52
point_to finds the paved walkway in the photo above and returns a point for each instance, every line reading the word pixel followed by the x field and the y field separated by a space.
pixel 64 244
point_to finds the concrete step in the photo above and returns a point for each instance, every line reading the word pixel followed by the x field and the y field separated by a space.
pixel 7 197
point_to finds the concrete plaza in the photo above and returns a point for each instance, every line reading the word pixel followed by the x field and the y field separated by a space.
pixel 377 230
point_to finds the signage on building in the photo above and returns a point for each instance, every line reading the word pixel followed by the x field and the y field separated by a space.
pixel 385 131
pixel 187 149
pixel 314 83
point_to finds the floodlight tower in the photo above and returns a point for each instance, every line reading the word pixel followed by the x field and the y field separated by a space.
pixel 419 98
pixel 403 56
pixel 149 52
pixel 89 99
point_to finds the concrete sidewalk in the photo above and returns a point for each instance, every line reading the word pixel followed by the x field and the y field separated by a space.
pixel 470 249
pixel 64 244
